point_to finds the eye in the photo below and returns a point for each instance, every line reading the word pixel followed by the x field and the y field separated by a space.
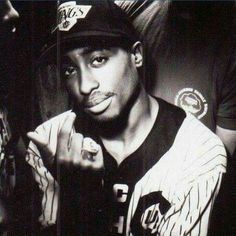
pixel 98 61
pixel 68 71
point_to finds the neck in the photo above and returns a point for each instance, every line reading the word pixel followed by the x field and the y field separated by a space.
pixel 138 125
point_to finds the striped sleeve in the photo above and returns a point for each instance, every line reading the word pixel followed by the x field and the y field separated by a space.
pixel 191 215
pixel 199 181
pixel 46 183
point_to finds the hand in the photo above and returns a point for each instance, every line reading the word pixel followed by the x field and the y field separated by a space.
pixel 73 150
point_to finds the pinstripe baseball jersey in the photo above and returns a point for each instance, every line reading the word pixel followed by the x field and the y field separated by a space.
pixel 166 187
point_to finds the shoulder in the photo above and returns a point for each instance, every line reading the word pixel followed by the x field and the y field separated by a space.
pixel 196 129
pixel 202 148
pixel 189 133
pixel 170 109
pixel 170 116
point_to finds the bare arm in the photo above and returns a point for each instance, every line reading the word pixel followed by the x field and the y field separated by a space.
pixel 228 137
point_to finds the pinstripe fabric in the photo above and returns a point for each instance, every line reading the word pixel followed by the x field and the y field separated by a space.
pixel 46 182
pixel 188 177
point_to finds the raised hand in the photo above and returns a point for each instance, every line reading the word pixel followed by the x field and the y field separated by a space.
pixel 73 150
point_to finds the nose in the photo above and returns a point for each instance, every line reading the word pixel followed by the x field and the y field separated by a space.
pixel 88 82
pixel 9 12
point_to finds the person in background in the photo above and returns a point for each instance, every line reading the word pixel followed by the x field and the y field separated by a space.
pixel 191 53
pixel 13 171
pixel 8 16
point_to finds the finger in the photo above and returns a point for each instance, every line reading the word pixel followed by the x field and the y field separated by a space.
pixel 86 165
pixel 99 162
pixel 90 145
pixel 92 161
pixel 86 155
pixel 43 147
pixel 75 148
pixel 64 135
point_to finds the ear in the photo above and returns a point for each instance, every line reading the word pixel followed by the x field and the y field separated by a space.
pixel 137 53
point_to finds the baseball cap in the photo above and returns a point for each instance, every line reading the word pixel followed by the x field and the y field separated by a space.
pixel 82 22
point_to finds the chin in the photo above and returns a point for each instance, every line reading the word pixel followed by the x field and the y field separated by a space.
pixel 105 117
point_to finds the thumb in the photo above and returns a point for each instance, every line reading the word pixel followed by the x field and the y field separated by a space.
pixel 43 147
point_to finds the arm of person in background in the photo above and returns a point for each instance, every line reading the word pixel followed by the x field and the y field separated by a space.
pixel 228 137
pixel 226 116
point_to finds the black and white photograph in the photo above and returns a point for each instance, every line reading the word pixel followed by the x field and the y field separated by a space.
pixel 117 118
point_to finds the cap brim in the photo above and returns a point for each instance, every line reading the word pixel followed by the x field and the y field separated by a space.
pixel 81 39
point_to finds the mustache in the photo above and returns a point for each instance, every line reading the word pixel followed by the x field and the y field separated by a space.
pixel 95 98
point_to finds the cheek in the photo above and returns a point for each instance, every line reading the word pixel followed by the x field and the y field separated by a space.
pixel 115 77
pixel 129 79
pixel 73 88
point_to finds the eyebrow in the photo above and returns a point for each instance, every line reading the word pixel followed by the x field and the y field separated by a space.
pixel 85 52
pixel 88 50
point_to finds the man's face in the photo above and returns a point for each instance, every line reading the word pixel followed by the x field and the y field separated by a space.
pixel 101 80
pixel 8 17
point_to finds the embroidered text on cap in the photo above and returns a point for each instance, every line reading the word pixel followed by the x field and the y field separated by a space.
pixel 69 12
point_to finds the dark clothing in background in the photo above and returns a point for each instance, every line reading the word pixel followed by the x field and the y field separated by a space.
pixel 191 53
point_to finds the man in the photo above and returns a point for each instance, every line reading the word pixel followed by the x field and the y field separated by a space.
pixel 126 163
pixel 14 173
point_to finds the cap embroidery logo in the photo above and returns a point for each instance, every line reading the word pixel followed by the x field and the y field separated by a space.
pixel 69 13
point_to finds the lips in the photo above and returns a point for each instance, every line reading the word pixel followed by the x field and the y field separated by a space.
pixel 96 98
pixel 98 102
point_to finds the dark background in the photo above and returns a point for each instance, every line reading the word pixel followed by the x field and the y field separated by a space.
pixel 36 21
